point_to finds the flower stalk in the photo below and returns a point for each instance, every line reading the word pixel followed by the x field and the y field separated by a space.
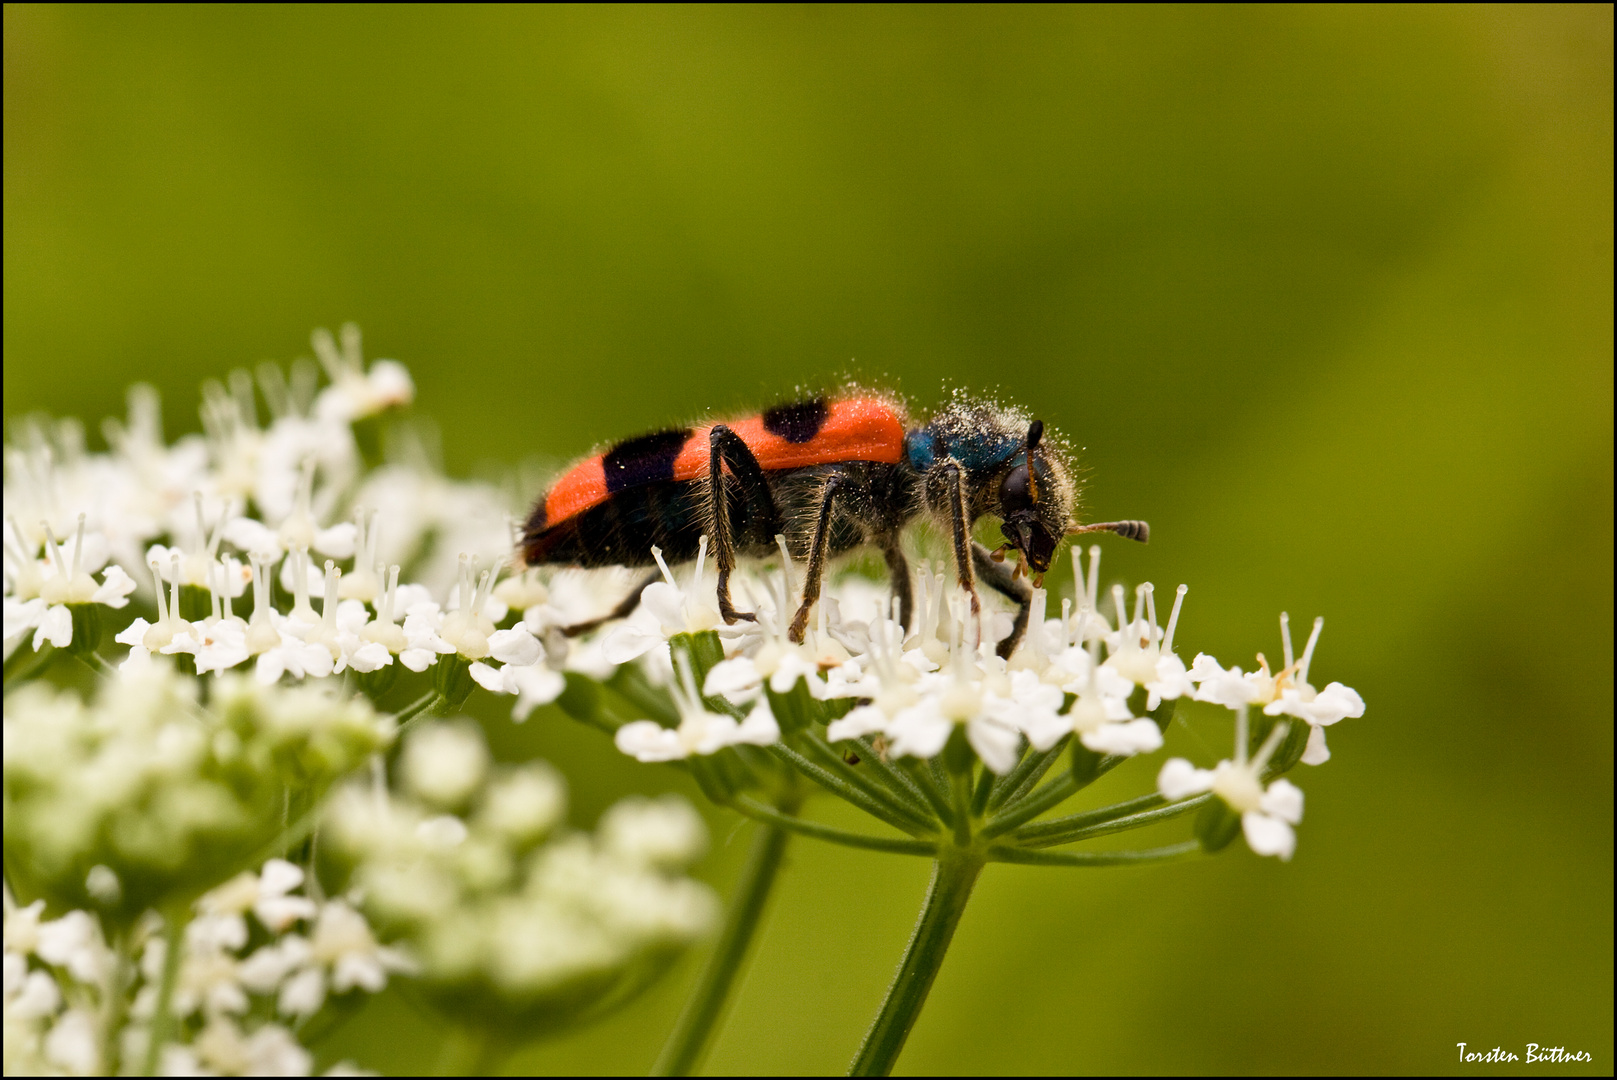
pixel 693 1032
pixel 954 875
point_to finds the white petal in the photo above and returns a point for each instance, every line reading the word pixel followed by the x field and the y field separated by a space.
pixel 647 740
pixel 708 733
pixel 1179 779
pixel 759 728
pixel 115 588
pixel 1268 835
pixel 920 733
pixel 357 969
pixel 863 720
pixel 337 541
pixel 56 627
pixel 252 536
pixel 1316 753
pixel 514 646
pixel 1134 737
pixel 417 659
pixel 995 744
pixel 536 685
pixel 667 603
pixel 371 656
pixel 732 676
pixel 279 877
pixel 1283 800
pixel 303 993
pixel 1045 729
pixel 271 666
pixel 279 912
pixel 1337 702
pixel 133 634
pixel 489 678
pixel 627 641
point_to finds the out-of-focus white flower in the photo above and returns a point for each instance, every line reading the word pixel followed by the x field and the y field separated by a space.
pixel 222 1049
pixel 444 763
pixel 74 942
pixel 364 581
pixel 298 529
pixel 1267 814
pixel 266 894
pixel 342 954
pixel 355 393
pixel 665 832
pixel 524 804
pixel 73 1044
pixel 699 731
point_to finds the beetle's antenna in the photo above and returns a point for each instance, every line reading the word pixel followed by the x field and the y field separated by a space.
pixel 1128 530
pixel 1035 432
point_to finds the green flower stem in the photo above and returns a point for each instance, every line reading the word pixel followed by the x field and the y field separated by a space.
pixel 979 797
pixel 97 663
pixel 906 821
pixel 174 923
pixel 1003 853
pixel 923 779
pixel 895 777
pixel 414 711
pixel 899 799
pixel 1149 809
pixel 1036 803
pixel 960 788
pixel 764 814
pixel 24 664
pixel 291 836
pixel 953 876
pixel 1027 773
pixel 115 1001
pixel 688 1042
pixel 630 683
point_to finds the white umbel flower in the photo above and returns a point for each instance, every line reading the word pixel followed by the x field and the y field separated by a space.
pixel 1267 814
pixel 700 731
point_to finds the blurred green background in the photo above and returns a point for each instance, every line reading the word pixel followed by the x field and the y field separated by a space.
pixel 1326 294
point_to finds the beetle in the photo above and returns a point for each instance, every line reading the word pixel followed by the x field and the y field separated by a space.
pixel 829 474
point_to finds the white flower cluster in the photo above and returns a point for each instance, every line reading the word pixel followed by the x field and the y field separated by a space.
pixel 1086 675
pixel 285 509
pixel 145 793
pixel 510 914
pixel 235 991
pixel 57 974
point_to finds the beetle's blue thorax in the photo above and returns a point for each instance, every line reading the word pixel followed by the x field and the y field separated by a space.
pixel 976 449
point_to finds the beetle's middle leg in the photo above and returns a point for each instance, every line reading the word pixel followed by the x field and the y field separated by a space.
pixel 819 554
pixel 725 447
pixel 999 578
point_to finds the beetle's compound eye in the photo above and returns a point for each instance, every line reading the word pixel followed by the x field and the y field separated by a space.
pixel 1015 492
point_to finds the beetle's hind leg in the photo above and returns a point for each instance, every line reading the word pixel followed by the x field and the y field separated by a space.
pixel 725 447
pixel 622 611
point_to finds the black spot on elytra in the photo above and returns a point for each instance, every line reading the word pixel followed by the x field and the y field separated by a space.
pixel 644 460
pixel 798 422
